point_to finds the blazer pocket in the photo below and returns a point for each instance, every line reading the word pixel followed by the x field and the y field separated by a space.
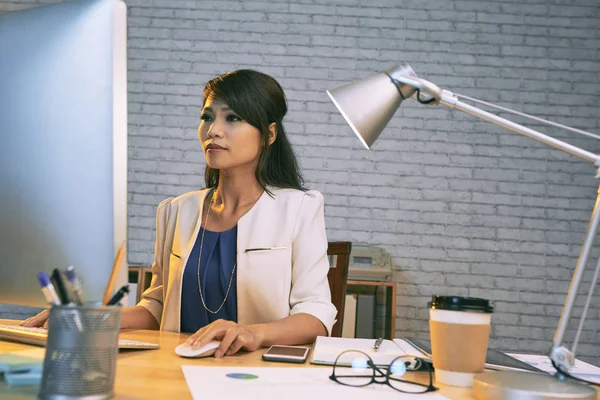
pixel 269 258
pixel 175 255
pixel 265 249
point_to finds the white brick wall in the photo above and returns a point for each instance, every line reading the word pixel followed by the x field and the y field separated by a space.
pixel 464 207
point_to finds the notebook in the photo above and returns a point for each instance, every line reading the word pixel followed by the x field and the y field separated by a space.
pixel 19 378
pixel 326 350
pixel 22 367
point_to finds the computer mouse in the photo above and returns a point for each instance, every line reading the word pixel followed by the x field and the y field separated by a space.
pixel 185 350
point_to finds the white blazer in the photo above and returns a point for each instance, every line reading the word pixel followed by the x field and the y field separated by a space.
pixel 282 262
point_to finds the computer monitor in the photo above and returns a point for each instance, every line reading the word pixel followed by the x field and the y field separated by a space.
pixel 63 145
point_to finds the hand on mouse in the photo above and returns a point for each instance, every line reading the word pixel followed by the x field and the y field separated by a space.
pixel 233 337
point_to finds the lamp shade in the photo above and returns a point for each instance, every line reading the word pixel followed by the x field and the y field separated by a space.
pixel 368 104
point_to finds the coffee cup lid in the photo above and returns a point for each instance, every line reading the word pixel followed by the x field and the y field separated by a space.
pixel 457 303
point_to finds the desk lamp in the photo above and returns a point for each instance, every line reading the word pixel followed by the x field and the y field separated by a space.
pixel 368 105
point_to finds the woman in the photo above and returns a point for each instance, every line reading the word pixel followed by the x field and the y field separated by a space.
pixel 245 260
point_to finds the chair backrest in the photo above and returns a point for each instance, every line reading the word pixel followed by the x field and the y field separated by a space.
pixel 338 277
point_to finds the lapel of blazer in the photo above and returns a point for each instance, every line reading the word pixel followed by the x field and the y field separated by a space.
pixel 187 214
pixel 188 224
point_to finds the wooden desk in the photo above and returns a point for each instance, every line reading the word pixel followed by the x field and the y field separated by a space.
pixel 390 302
pixel 156 374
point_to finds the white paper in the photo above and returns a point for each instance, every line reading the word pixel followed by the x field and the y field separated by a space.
pixel 581 369
pixel 272 382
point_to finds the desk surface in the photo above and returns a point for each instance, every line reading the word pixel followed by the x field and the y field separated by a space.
pixel 155 374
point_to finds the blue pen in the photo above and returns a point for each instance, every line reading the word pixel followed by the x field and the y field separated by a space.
pixel 48 289
pixel 76 285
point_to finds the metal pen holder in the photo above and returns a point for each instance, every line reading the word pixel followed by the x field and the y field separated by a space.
pixel 81 353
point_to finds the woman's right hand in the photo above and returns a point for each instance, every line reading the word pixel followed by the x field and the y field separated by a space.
pixel 37 320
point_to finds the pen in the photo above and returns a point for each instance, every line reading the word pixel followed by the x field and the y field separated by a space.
pixel 377 344
pixel 48 289
pixel 76 285
pixel 118 296
pixel 57 279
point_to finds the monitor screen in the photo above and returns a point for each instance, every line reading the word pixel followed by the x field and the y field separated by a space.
pixel 63 145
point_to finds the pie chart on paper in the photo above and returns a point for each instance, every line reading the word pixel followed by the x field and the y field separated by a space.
pixel 242 376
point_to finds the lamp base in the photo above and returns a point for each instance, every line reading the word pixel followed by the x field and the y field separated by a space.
pixel 528 386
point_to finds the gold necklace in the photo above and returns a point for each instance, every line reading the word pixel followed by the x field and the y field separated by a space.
pixel 200 258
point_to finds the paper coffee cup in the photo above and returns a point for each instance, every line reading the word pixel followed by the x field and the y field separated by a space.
pixel 460 330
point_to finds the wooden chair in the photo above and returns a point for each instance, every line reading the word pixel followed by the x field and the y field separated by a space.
pixel 338 277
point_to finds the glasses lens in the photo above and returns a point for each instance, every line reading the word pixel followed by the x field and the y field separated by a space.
pixel 353 368
pixel 398 379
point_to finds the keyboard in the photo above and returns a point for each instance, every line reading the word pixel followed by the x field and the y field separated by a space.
pixel 38 337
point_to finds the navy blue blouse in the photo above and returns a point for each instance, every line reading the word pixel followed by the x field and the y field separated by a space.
pixel 218 258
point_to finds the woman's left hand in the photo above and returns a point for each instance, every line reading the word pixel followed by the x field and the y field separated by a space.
pixel 233 337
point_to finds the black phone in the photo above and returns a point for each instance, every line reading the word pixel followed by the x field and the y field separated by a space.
pixel 494 359
pixel 293 354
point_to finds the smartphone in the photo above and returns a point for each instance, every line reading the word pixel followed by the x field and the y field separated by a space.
pixel 293 354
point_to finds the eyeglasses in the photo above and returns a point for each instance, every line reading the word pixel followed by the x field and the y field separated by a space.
pixel 363 372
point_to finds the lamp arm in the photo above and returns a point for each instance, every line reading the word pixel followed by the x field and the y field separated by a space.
pixel 448 99
pixel 561 355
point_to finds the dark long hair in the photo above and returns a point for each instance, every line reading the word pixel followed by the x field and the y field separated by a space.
pixel 260 101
